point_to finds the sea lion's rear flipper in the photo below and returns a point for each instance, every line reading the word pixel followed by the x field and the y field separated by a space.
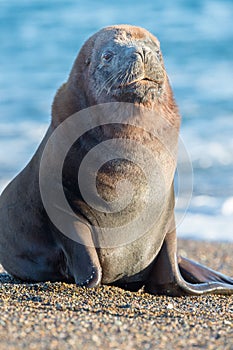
pixel 184 277
pixel 194 272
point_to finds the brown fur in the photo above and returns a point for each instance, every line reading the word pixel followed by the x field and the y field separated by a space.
pixel 73 96
pixel 32 248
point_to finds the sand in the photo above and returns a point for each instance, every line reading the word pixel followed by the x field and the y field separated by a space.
pixel 64 316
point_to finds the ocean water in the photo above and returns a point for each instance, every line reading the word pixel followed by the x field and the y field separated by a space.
pixel 39 40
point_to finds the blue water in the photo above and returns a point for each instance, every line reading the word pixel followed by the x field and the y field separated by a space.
pixel 39 41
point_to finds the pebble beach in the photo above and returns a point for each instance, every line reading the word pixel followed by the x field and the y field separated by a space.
pixel 64 316
pixel 39 41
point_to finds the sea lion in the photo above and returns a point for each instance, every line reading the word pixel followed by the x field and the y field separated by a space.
pixel 118 64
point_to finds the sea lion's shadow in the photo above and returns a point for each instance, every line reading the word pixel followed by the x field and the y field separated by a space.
pixel 5 278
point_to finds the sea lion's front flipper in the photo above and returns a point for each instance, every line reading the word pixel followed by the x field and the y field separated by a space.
pixel 184 277
pixel 81 262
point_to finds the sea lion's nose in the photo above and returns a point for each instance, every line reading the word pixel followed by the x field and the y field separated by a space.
pixel 147 54
pixel 137 54
pixel 142 54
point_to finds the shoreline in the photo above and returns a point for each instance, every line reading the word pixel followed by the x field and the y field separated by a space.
pixel 58 315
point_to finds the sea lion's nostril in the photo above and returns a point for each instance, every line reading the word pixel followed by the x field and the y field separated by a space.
pixel 140 53
pixel 147 53
pixel 137 54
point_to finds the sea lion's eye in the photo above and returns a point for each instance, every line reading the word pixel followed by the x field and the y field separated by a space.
pixel 107 56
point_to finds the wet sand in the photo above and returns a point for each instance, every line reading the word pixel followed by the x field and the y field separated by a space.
pixel 63 316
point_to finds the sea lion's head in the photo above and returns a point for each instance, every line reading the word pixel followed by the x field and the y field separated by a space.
pixel 125 65
pixel 119 63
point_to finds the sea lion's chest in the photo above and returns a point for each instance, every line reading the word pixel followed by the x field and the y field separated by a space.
pixel 124 195
pixel 130 262
pixel 128 220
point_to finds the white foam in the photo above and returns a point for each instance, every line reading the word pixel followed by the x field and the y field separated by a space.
pixel 216 148
pixel 206 227
pixel 227 208
pixel 18 145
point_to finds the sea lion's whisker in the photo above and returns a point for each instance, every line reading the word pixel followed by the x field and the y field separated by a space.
pixel 105 85
pixel 124 78
pixel 111 81
pixel 118 78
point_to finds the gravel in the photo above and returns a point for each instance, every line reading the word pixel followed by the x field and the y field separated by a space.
pixel 64 316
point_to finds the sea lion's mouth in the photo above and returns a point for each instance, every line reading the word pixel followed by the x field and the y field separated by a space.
pixel 141 89
pixel 139 82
